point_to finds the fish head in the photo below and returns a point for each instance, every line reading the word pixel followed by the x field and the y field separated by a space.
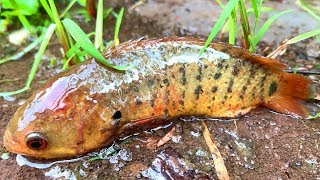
pixel 58 121
pixel 44 137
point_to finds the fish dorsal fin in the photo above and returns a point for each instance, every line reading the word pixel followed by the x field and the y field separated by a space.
pixel 233 51
pixel 241 53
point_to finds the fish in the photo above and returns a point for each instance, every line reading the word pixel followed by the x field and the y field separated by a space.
pixel 89 106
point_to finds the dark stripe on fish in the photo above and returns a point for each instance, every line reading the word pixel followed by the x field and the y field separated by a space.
pixel 235 70
pixel 273 88
pixel 198 91
pixel 183 75
pixel 214 89
pixel 217 75
pixel 229 90
pixel 199 76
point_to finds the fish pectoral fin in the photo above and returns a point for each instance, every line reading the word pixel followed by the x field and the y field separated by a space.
pixel 143 124
pixel 151 121
pixel 287 105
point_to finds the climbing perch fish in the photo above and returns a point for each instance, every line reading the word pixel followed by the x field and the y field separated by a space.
pixel 90 105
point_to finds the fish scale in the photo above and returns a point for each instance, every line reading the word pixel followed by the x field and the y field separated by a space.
pixel 89 106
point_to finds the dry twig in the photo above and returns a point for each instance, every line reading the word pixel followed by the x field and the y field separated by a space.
pixel 218 161
pixel 166 137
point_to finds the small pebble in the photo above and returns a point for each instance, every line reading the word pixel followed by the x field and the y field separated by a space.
pixel 19 36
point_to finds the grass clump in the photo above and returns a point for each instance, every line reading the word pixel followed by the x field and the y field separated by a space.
pixel 19 9
pixel 75 43
pixel 237 9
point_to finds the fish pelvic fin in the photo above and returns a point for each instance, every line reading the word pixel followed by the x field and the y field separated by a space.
pixel 289 94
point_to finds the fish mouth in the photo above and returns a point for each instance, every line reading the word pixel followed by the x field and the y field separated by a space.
pixel 9 143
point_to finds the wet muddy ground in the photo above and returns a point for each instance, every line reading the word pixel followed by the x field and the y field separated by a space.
pixel 260 145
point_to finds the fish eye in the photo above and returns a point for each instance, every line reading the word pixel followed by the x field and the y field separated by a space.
pixel 36 141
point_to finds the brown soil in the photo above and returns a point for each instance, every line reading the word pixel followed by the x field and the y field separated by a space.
pixel 260 145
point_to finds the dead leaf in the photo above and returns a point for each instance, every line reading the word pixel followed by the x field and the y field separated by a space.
pixel 152 142
pixel 279 51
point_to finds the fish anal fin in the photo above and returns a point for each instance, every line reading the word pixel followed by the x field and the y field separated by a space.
pixel 287 105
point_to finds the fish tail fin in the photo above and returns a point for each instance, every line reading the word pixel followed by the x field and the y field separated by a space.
pixel 289 94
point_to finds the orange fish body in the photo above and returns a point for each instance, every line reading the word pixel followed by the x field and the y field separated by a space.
pixel 89 106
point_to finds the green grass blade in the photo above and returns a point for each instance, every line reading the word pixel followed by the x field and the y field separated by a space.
pixel 66 63
pixel 117 28
pixel 82 53
pixel 244 24
pixel 36 62
pixel 21 17
pixel 67 8
pixel 304 36
pixel 314 117
pixel 14 92
pixel 251 41
pixel 309 9
pixel 46 7
pixel 222 18
pixel 255 8
pixel 99 25
pixel 256 11
pixel 220 4
pixel 73 50
pixel 24 21
pixel 39 54
pixel 266 26
pixel 232 27
pixel 318 39
pixel 80 37
pixel 24 51
pixel 60 31
pixel 107 12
